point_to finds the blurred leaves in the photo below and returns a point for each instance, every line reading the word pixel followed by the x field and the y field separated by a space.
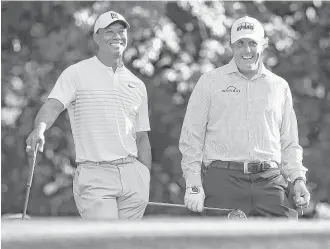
pixel 170 45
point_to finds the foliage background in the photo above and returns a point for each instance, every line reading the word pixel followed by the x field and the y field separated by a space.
pixel 170 45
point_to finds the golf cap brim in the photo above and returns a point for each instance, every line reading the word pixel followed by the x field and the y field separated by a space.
pixel 249 36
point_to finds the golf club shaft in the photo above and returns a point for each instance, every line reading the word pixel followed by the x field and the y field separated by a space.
pixel 29 181
pixel 183 206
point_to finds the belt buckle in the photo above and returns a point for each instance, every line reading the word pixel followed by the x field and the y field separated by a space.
pixel 246 168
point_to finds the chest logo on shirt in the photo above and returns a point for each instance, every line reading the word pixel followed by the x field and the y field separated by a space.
pixel 231 89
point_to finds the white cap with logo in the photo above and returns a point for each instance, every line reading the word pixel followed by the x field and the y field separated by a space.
pixel 107 18
pixel 247 27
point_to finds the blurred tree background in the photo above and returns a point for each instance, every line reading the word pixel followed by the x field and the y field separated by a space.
pixel 170 45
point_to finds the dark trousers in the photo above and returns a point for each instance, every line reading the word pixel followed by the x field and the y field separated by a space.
pixel 259 195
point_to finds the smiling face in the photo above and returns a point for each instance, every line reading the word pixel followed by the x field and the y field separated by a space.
pixel 112 40
pixel 247 54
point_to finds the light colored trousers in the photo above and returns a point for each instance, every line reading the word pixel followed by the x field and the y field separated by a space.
pixel 111 192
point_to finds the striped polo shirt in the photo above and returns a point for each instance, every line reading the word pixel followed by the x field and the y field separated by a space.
pixel 232 118
pixel 106 109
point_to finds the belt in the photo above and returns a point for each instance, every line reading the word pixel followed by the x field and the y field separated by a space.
pixel 245 167
pixel 125 160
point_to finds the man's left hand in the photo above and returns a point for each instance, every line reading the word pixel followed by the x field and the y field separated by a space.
pixel 301 194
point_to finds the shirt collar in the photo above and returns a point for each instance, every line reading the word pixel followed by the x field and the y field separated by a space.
pixel 263 71
pixel 232 68
pixel 122 67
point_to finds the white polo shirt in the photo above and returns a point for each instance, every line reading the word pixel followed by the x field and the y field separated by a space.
pixel 106 109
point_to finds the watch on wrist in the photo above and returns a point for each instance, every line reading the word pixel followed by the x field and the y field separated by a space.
pixel 299 179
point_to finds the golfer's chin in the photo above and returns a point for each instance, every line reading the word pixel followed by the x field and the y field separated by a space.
pixel 251 67
pixel 246 70
pixel 116 52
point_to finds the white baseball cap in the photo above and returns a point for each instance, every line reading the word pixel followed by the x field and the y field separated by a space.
pixel 107 18
pixel 247 27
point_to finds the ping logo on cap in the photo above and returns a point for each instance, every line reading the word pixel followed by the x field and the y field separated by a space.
pixel 114 15
pixel 245 25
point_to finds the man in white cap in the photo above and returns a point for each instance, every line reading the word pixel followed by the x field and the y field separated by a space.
pixel 108 110
pixel 245 135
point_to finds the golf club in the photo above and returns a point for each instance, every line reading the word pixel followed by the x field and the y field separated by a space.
pixel 232 213
pixel 29 181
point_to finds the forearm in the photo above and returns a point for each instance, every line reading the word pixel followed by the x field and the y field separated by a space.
pixel 47 115
pixel 144 150
pixel 292 155
pixel 192 142
pixel 292 152
pixel 193 132
pixel 191 146
pixel 191 164
pixel 293 171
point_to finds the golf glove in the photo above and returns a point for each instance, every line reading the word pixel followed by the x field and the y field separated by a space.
pixel 194 198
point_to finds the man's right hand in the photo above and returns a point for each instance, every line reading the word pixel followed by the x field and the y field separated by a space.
pixel 194 198
pixel 36 137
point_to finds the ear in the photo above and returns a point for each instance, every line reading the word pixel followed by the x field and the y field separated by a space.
pixel 96 38
pixel 230 45
pixel 265 43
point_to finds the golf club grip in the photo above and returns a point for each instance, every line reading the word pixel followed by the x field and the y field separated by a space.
pixel 183 206
pixel 31 171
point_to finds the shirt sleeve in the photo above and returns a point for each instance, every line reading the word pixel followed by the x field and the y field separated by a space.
pixel 65 87
pixel 292 152
pixel 142 122
pixel 192 139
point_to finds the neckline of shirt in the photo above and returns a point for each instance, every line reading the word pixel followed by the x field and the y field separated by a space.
pixel 98 62
pixel 232 68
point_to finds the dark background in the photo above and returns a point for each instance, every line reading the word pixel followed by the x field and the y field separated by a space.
pixel 170 45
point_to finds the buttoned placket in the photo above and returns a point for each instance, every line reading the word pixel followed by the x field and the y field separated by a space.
pixel 248 123
pixel 249 108
pixel 114 76
pixel 115 79
pixel 248 111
